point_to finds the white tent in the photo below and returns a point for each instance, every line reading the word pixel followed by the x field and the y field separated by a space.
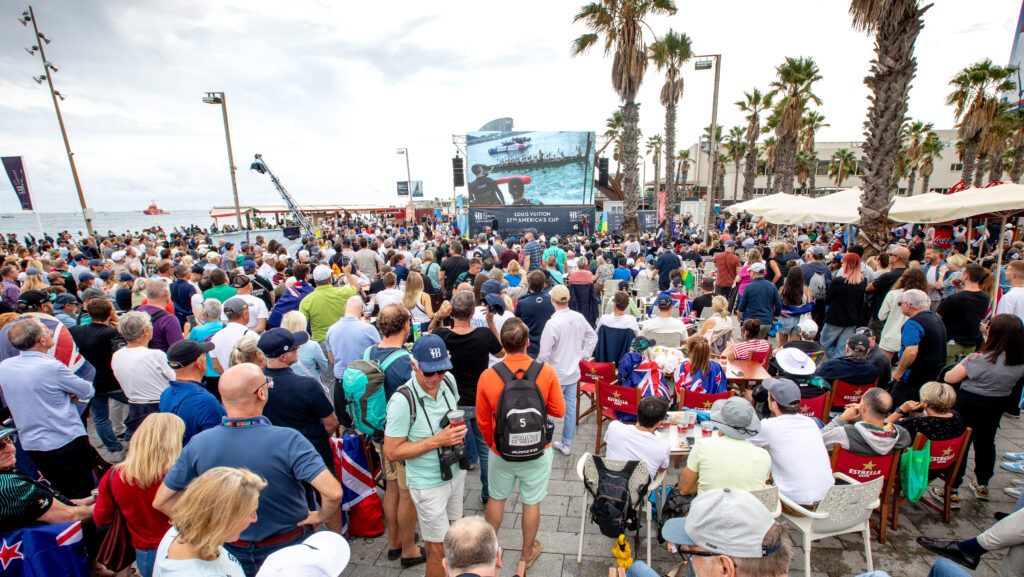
pixel 1002 199
pixel 840 207
pixel 757 206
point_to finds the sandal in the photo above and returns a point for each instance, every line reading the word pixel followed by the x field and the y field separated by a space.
pixel 394 554
pixel 413 561
pixel 536 553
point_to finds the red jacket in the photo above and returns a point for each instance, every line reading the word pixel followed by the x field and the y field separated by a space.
pixel 145 524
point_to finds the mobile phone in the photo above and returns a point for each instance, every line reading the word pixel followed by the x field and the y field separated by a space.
pixel 191 320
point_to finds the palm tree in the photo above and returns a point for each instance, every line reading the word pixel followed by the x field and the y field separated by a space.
pixel 1016 120
pixel 802 168
pixel 770 144
pixel 723 159
pixel 810 124
pixel 669 54
pixel 841 166
pixel 620 24
pixel 795 79
pixel 995 141
pixel 613 130
pixel 753 103
pixel 895 25
pixel 931 149
pixel 736 144
pixel 974 98
pixel 683 156
pixel 713 188
pixel 914 133
pixel 655 145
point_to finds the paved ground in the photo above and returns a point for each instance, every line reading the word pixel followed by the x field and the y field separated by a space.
pixel 834 557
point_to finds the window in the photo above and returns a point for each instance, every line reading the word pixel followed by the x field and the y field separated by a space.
pixel 956 167
pixel 822 168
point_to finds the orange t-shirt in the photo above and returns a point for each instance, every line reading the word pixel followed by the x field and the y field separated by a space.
pixel 490 385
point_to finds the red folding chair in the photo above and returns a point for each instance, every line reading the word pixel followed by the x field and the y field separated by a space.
pixel 946 459
pixel 590 374
pixel 612 398
pixel 816 407
pixel 701 401
pixel 844 393
pixel 865 468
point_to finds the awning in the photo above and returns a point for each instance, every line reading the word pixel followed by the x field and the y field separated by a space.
pixel 998 200
pixel 840 207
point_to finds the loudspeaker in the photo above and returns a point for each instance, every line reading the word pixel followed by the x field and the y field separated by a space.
pixel 291 232
pixel 602 171
pixel 457 172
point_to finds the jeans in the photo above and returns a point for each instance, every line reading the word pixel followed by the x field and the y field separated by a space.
pixel 947 568
pixel 569 422
pixel 252 557
pixel 641 569
pixel 101 418
pixel 477 447
pixel 833 340
pixel 144 560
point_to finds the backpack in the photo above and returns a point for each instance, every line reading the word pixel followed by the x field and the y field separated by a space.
pixel 363 383
pixel 818 286
pixel 612 509
pixel 117 343
pixel 521 430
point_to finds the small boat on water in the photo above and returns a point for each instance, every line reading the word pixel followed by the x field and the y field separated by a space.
pixel 516 140
pixel 508 148
pixel 154 209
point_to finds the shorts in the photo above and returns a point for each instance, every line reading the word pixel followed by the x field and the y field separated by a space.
pixel 790 326
pixel 436 506
pixel 533 477
pixel 392 471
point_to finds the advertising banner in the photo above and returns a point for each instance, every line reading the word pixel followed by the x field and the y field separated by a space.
pixel 614 222
pixel 417 188
pixel 648 220
pixel 661 206
pixel 530 168
pixel 551 220
pixel 403 188
pixel 16 173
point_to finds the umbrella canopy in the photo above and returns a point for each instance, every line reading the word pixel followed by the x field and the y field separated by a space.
pixel 998 200
pixel 840 207
pixel 757 206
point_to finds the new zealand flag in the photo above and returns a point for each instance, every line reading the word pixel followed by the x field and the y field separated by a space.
pixel 44 551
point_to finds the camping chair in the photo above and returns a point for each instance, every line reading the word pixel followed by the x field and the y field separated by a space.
pixel 673 340
pixel 769 496
pixel 592 373
pixel 720 339
pixel 866 468
pixel 612 398
pixel 611 286
pixel 816 406
pixel 586 469
pixel 946 459
pixel 843 509
pixel 844 393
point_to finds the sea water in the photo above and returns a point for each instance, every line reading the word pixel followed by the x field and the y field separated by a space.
pixel 119 222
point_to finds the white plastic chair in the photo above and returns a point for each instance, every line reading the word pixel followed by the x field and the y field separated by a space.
pixel 673 340
pixel 611 286
pixel 769 496
pixel 843 509
pixel 587 469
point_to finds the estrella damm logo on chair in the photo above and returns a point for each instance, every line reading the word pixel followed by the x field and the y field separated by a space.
pixel 946 456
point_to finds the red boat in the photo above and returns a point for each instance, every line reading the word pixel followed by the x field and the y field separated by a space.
pixel 153 209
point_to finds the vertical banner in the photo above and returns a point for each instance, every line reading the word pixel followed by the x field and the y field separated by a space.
pixel 16 173
pixel 661 206
pixel 403 188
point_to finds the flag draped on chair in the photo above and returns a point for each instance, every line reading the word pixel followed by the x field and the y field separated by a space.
pixel 43 551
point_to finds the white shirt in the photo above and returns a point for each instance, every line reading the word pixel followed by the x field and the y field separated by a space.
pixel 224 340
pixel 257 310
pixel 628 443
pixel 800 463
pixel 567 339
pixel 626 321
pixel 479 319
pixel 389 297
pixel 266 271
pixel 143 373
pixel 1012 302
pixel 666 325
pixel 225 565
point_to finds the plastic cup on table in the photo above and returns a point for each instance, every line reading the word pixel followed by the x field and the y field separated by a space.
pixel 707 427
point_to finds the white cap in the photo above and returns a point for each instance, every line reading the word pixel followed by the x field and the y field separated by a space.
pixel 270 256
pixel 322 554
pixel 322 272
pixel 117 255
pixel 728 522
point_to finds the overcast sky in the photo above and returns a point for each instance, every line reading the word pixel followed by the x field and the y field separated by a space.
pixel 327 91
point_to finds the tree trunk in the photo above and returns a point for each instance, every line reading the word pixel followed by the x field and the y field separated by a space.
pixel 979 169
pixel 924 182
pixel 1018 164
pixel 630 146
pixel 910 180
pixel 750 165
pixel 814 169
pixel 785 162
pixel 769 171
pixel 892 70
pixel 736 183
pixel 995 174
pixel 970 152
pixel 670 165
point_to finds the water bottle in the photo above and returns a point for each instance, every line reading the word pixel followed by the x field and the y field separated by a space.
pixel 415 331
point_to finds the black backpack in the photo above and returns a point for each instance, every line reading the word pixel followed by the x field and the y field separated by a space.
pixel 612 509
pixel 521 430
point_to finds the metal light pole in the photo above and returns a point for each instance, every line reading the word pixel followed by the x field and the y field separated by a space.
pixel 48 69
pixel 408 180
pixel 713 151
pixel 219 98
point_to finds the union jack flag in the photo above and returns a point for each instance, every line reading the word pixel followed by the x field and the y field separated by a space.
pixel 679 299
pixel 64 348
pixel 362 515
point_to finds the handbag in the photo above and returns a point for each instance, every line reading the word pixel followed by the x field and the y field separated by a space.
pixel 116 552
pixel 914 465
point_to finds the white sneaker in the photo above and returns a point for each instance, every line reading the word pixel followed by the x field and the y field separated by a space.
pixel 563 449
pixel 1012 491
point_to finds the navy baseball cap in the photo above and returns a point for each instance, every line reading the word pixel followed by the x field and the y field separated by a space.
pixel 277 342
pixel 431 354
pixel 64 299
pixel 125 277
pixel 95 262
pixel 81 256
pixel 185 352
pixel 491 287
pixel 249 265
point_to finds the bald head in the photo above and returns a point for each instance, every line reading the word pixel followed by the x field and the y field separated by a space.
pixel 242 392
pixel 902 254
pixel 471 546
pixel 354 307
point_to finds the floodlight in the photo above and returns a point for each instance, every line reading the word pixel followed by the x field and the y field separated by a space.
pixel 44 38
pixel 58 95
pixel 32 51
pixel 25 18
pixel 50 66
pixel 703 65
pixel 212 98
pixel 400 151
pixel 39 79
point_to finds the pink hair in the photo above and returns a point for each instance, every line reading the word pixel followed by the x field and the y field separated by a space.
pixel 851 268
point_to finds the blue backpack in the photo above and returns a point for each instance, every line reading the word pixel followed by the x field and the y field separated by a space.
pixel 363 383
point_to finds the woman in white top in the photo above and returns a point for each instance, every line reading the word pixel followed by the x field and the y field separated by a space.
pixel 142 372
pixel 912 278
pixel 718 321
pixel 417 302
pixel 214 509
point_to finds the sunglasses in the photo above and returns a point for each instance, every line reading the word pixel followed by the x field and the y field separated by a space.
pixel 9 439
pixel 432 373
pixel 266 383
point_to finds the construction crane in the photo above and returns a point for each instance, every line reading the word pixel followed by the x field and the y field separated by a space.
pixel 261 167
